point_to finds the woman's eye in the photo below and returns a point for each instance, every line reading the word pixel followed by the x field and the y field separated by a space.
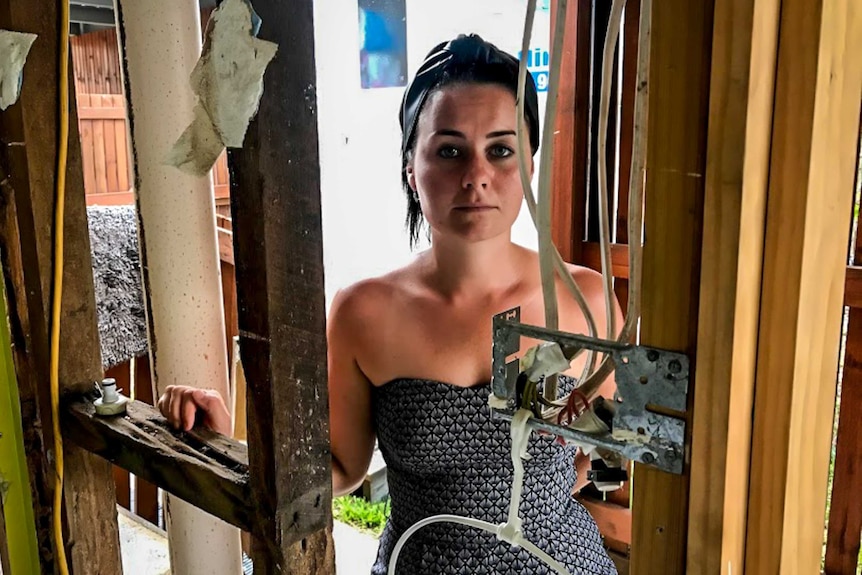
pixel 502 151
pixel 448 152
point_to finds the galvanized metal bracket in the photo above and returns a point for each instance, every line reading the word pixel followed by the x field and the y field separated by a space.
pixel 650 383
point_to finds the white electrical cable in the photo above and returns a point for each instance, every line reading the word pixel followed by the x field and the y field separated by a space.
pixel 524 169
pixel 590 385
pixel 510 531
pixel 590 380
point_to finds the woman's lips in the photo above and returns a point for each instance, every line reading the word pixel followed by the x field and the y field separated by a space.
pixel 474 208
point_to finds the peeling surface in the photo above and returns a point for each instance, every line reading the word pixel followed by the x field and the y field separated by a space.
pixel 14 48
pixel 228 80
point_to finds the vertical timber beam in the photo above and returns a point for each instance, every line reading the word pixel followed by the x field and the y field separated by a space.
pixel 28 141
pixel 815 129
pixel 681 41
pixel 278 242
pixel 569 164
pixel 740 133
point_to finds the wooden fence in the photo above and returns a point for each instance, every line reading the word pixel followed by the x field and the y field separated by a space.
pixel 103 125
pixel 96 58
pixel 104 148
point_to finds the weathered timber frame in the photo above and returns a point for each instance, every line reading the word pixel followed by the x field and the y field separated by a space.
pixel 28 158
pixel 282 495
pixel 278 247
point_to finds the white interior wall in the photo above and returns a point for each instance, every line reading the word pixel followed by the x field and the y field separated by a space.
pixel 363 205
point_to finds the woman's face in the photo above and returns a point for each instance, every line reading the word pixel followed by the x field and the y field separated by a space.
pixel 465 165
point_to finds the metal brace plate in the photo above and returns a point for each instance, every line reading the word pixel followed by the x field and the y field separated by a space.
pixel 647 379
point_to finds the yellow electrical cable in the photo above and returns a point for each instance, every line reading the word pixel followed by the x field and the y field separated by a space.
pixel 59 208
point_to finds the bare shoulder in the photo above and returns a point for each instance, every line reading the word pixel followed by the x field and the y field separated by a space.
pixel 591 284
pixel 584 276
pixel 589 281
pixel 369 300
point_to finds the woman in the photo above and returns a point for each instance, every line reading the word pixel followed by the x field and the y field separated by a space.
pixel 409 352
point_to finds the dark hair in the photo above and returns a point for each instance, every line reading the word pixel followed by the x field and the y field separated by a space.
pixel 465 60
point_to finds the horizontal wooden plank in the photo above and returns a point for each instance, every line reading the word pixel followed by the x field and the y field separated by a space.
pixel 111 198
pixel 225 245
pixel 201 467
pixel 224 221
pixel 592 258
pixel 99 113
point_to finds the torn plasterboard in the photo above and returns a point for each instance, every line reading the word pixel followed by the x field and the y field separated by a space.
pixel 228 80
pixel 14 48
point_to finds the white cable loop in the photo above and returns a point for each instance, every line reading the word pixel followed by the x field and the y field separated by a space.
pixel 510 532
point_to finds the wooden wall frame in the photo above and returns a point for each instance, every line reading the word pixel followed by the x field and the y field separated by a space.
pixel 284 497
pixel 818 89
pixel 28 159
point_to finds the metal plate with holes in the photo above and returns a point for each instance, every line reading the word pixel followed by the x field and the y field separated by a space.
pixel 649 381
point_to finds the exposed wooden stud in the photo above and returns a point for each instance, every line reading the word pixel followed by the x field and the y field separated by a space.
pixel 740 131
pixel 676 156
pixel 29 134
pixel 275 204
pixel 812 166
pixel 569 173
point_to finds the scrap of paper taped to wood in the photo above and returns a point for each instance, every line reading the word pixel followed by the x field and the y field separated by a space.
pixel 14 48
pixel 228 81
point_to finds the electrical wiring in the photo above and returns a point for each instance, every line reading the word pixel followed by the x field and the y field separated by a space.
pixel 510 531
pixel 59 219
pixel 591 379
pixel 524 170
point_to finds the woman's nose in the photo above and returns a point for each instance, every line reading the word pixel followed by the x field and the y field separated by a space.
pixel 477 173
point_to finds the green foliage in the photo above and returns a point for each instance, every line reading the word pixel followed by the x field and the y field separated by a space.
pixel 359 513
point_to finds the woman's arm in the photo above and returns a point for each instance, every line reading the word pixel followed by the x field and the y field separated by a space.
pixel 351 427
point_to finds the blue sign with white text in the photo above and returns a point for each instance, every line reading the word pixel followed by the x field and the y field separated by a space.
pixel 538 64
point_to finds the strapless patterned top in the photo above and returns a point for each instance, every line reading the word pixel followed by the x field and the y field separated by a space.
pixel 445 454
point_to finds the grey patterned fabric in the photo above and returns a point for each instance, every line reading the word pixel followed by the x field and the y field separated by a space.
pixel 445 454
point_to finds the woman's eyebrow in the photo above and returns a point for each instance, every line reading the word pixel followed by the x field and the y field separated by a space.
pixel 457 134
pixel 447 132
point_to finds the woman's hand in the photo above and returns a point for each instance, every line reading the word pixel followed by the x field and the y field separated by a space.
pixel 181 404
